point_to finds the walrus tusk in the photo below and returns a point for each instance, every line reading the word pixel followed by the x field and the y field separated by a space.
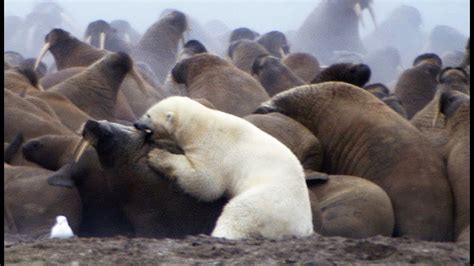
pixel 139 80
pixel 88 39
pixel 40 88
pixel 102 41
pixel 435 120
pixel 357 9
pixel 80 149
pixel 127 38
pixel 372 15
pixel 438 112
pixel 358 12
pixel 41 54
pixel 282 53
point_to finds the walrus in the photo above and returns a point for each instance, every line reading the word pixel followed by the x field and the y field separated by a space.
pixel 154 206
pixel 274 174
pixel 98 99
pixel 394 102
pixel 30 204
pixel 304 65
pixel 29 63
pixel 102 214
pixel 68 51
pixel 379 90
pixel 445 122
pixel 356 74
pixel 341 205
pixel 57 77
pixel 122 111
pixel 190 48
pixel 23 116
pixel 158 46
pixel 456 78
pixel 455 106
pixel 11 148
pixel 242 33
pixel 21 81
pixel 125 31
pixel 101 35
pixel 332 26
pixel 353 207
pixel 416 86
pixel 444 38
pixel 31 118
pixel 244 52
pixel 274 76
pixel 306 147
pixel 13 58
pixel 228 88
pixel 275 42
pixel 50 151
pixel 361 136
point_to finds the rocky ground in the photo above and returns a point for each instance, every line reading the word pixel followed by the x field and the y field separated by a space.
pixel 315 250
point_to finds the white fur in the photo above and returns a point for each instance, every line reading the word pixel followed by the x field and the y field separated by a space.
pixel 61 229
pixel 227 154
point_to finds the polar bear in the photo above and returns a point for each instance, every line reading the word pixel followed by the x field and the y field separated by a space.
pixel 226 155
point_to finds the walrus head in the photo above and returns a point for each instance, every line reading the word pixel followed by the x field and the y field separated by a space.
pixel 377 89
pixel 358 6
pixel 453 74
pixel 430 58
pixel 176 19
pixel 241 34
pixel 53 39
pixel 195 46
pixel 356 74
pixel 98 28
pixel 450 103
pixel 113 140
pixel 275 42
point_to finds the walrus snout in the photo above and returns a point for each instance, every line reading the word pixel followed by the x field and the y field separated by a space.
pixel 143 126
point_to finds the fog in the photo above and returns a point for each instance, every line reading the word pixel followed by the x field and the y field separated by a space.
pixel 260 15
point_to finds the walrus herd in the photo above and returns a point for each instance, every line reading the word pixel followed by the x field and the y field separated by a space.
pixel 248 135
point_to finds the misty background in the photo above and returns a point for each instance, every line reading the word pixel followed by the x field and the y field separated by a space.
pixel 259 15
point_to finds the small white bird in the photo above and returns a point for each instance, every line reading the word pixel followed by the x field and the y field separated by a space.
pixel 61 229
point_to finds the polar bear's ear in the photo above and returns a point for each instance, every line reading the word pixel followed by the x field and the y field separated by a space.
pixel 169 116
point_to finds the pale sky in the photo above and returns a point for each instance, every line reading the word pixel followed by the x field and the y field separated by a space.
pixel 260 15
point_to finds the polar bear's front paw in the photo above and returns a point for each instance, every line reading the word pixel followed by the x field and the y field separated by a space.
pixel 158 159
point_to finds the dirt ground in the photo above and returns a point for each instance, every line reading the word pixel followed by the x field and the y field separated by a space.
pixel 195 250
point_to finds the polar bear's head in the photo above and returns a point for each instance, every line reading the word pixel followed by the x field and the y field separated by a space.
pixel 162 119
